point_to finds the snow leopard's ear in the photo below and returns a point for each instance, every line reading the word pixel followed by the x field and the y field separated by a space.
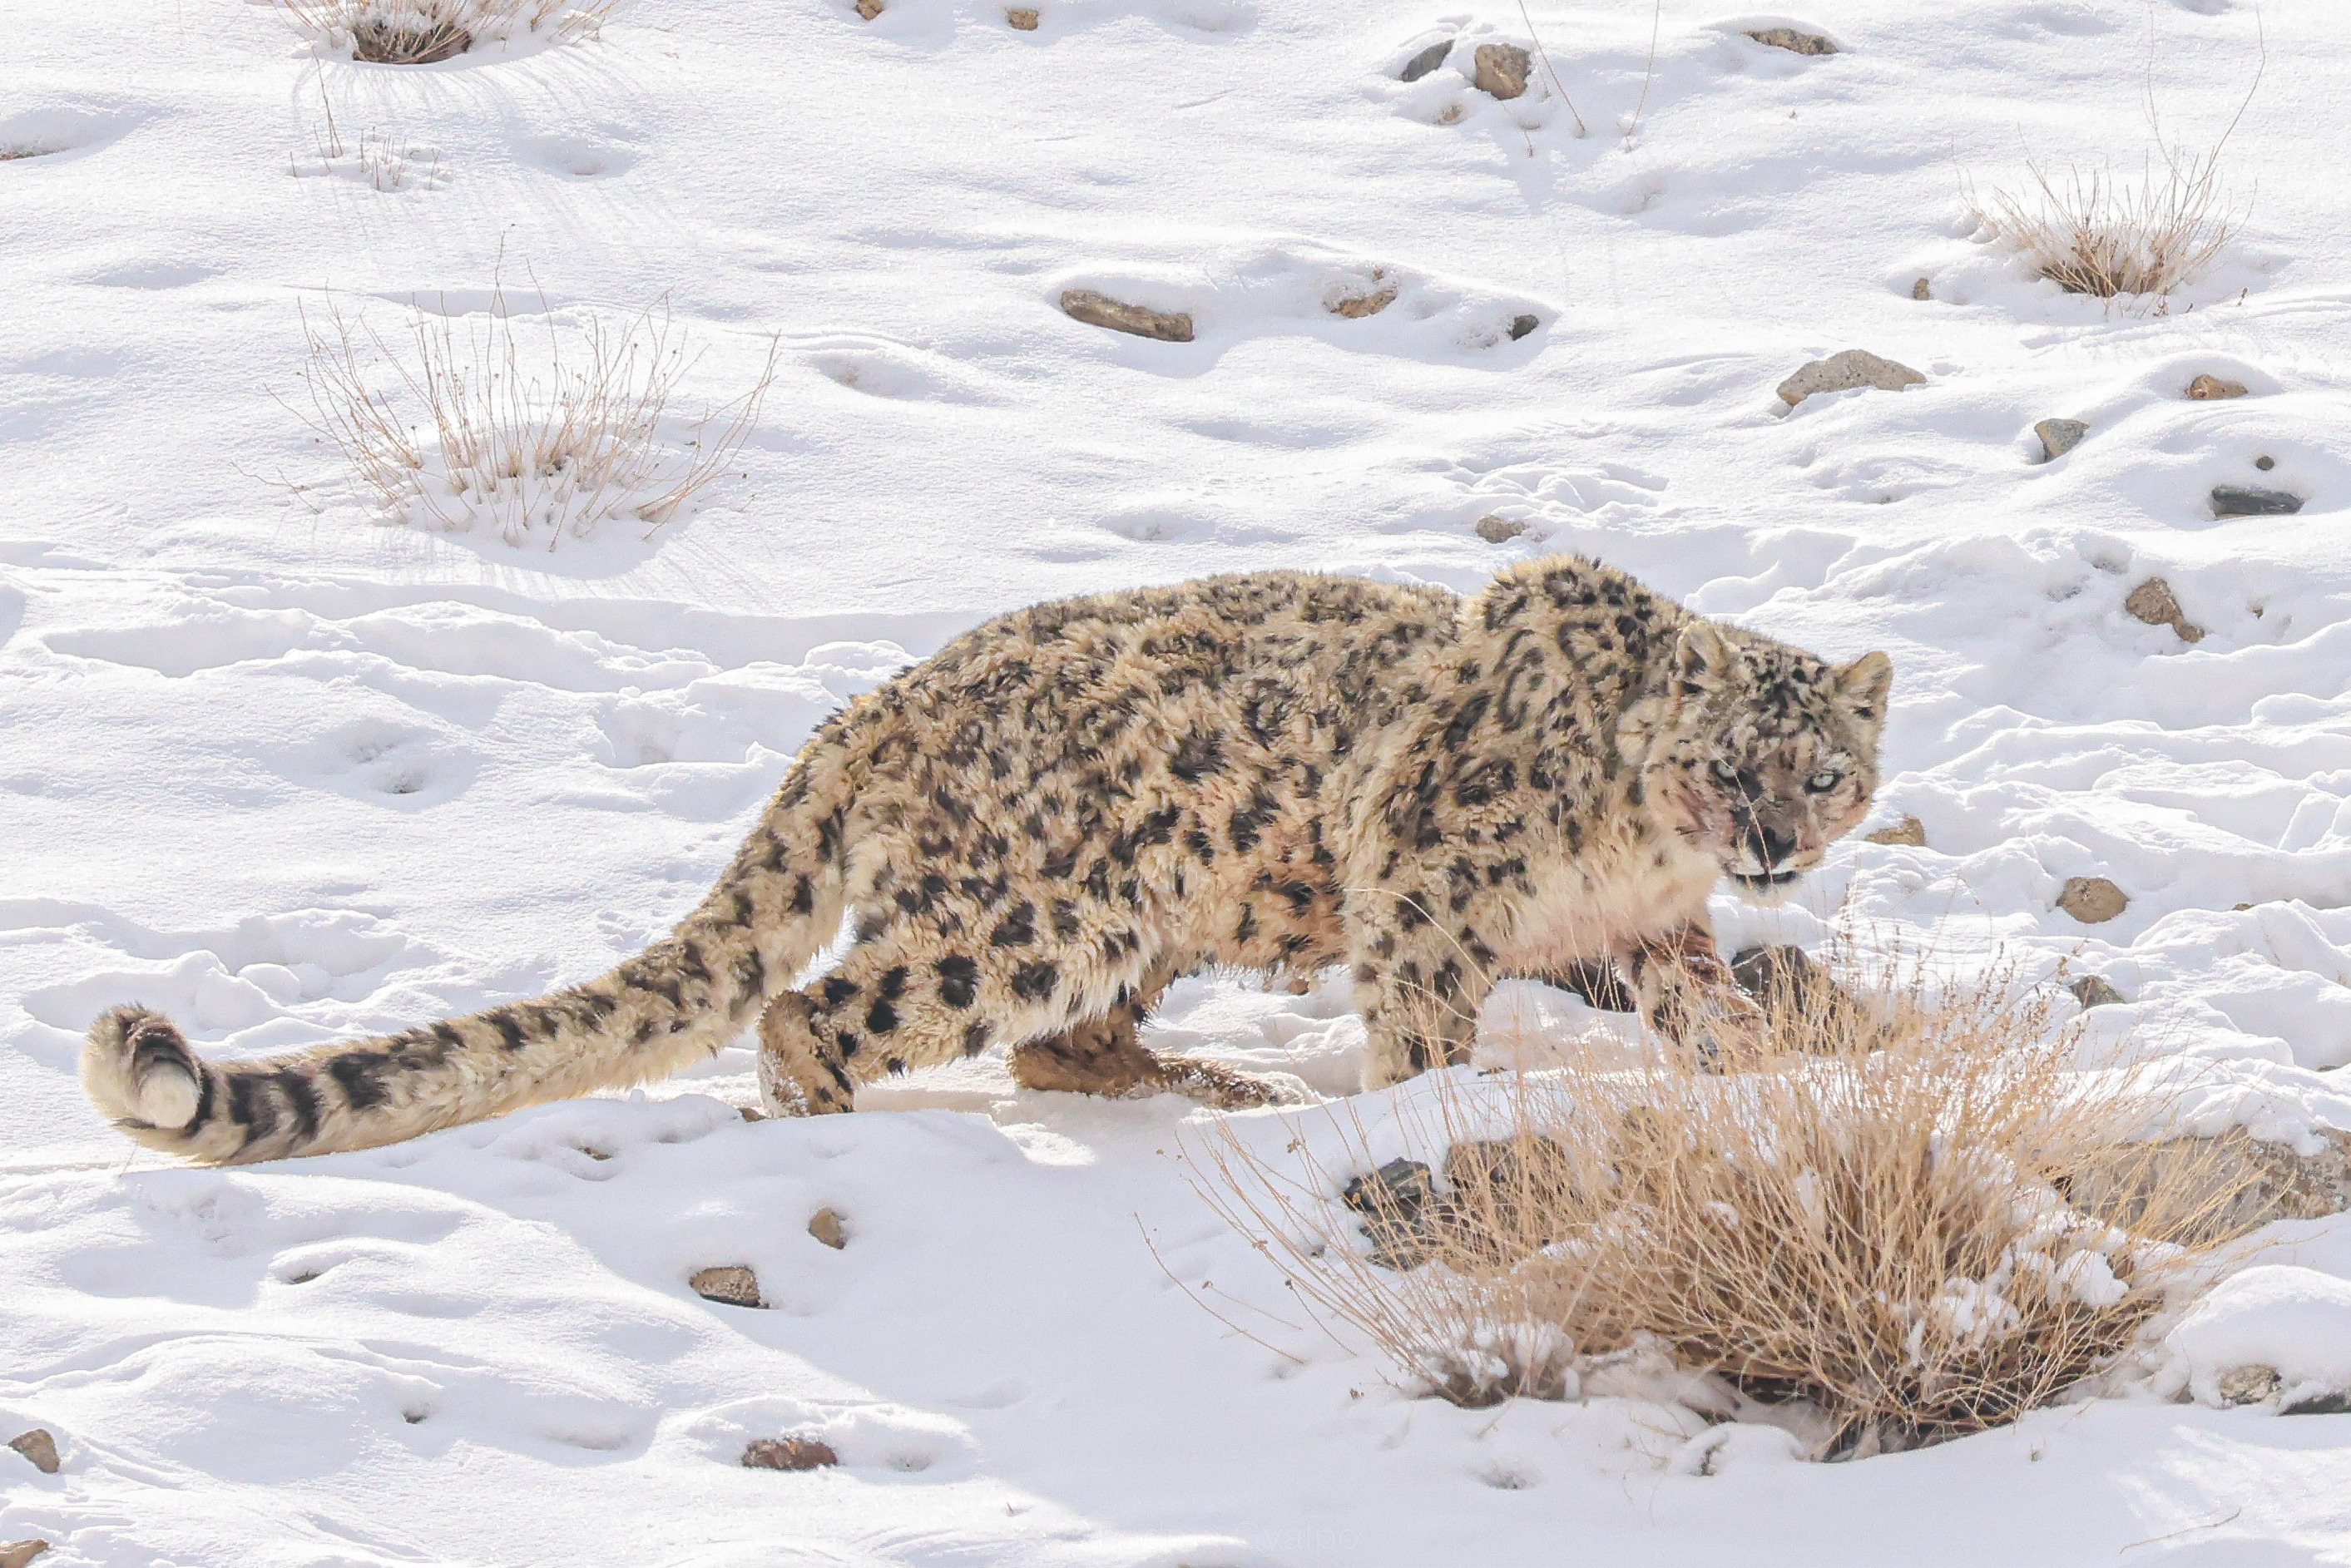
pixel 1700 654
pixel 1862 688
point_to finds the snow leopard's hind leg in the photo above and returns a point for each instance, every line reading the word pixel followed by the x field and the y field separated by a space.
pixel 1106 1056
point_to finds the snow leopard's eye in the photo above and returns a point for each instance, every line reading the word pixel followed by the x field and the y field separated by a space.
pixel 1725 774
pixel 1822 782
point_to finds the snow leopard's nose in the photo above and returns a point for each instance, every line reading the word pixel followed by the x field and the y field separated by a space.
pixel 1772 840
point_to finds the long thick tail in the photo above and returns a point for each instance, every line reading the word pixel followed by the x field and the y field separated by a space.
pixel 682 998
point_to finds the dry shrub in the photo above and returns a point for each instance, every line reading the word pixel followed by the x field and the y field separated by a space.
pixel 539 432
pixel 1868 1233
pixel 422 32
pixel 2094 232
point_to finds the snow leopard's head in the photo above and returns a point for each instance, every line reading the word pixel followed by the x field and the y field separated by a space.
pixel 1761 755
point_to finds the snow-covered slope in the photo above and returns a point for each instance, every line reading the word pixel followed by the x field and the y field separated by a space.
pixel 289 773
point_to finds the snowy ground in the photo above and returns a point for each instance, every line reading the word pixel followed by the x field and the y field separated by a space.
pixel 289 773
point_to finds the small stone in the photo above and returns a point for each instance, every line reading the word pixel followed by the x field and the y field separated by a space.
pixel 1495 530
pixel 826 1226
pixel 1451 115
pixel 16 1553
pixel 1522 325
pixel 2252 501
pixel 730 1284
pixel 2092 900
pixel 869 9
pixel 2264 464
pixel 1840 372
pixel 1355 307
pixel 2239 908
pixel 2059 436
pixel 1100 310
pixel 1022 18
pixel 2092 991
pixel 1500 69
pixel 1428 60
pixel 789 1454
pixel 2250 1385
pixel 2152 602
pixel 2203 389
pixel 38 1447
pixel 752 1112
pixel 1918 290
pixel 1789 38
pixel 1909 831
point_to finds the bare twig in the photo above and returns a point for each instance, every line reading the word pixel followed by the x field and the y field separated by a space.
pixel 1648 72
pixel 1544 55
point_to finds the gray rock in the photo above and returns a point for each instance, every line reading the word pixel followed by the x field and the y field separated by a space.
pixel 1100 310
pixel 2335 1402
pixel 1522 325
pixel 2152 602
pixel 1500 69
pixel 1428 60
pixel 39 1448
pixel 2252 501
pixel 1398 1203
pixel 1909 831
pixel 1496 531
pixel 2059 436
pixel 2092 991
pixel 2264 464
pixel 2249 1385
pixel 2092 900
pixel 1796 42
pixel 730 1284
pixel 1843 372
pixel 2205 388
pixel 2228 1186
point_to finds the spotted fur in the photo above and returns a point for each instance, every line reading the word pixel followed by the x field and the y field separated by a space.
pixel 1036 830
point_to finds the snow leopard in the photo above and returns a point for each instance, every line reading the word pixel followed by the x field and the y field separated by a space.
pixel 1021 842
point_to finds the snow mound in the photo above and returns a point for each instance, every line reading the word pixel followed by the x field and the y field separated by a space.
pixel 2296 1321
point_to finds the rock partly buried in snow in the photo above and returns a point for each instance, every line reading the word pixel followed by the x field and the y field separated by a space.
pixel 2092 900
pixel 1908 831
pixel 2252 501
pixel 826 1226
pixel 2291 1322
pixel 1500 69
pixel 2059 436
pixel 1022 18
pixel 869 9
pixel 1920 291
pixel 1397 1203
pixel 789 1454
pixel 1793 40
pixel 2153 603
pixel 1100 310
pixel 730 1283
pixel 2204 388
pixel 1522 325
pixel 1428 60
pixel 1370 302
pixel 1498 531
pixel 751 1112
pixel 38 1447
pixel 2093 991
pixel 1843 372
pixel 2229 1185
pixel 17 1553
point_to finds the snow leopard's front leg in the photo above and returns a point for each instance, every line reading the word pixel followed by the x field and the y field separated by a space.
pixel 1418 985
pixel 1687 995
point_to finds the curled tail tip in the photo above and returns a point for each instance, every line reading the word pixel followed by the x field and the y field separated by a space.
pixel 139 1071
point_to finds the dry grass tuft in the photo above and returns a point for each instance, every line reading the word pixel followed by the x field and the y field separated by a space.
pixel 542 432
pixel 424 32
pixel 2094 233
pixel 1868 1235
